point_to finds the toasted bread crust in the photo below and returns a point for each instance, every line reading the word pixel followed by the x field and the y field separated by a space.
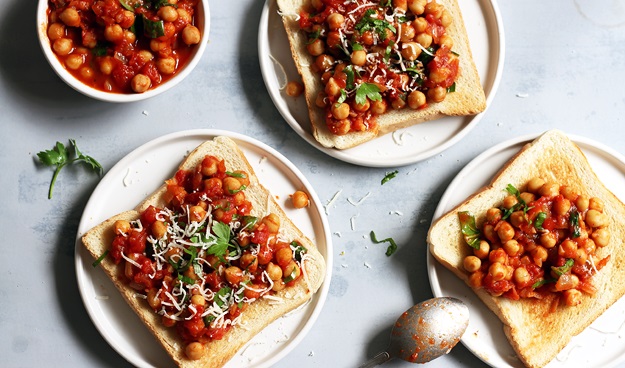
pixel 468 99
pixel 260 313
pixel 535 334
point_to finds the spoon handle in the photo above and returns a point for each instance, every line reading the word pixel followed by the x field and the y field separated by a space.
pixel 382 357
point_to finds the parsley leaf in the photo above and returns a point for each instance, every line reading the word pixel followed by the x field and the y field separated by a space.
pixel 59 157
pixel 369 22
pixel 539 220
pixel 392 245
pixel 469 229
pixel 222 234
pixel 564 268
pixel 367 90
pixel 389 176
pixel 574 221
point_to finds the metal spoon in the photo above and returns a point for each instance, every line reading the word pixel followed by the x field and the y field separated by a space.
pixel 425 331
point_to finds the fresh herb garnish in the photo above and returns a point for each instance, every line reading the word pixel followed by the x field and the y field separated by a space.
pixel 223 292
pixel 542 282
pixel 539 220
pixel 153 28
pixel 357 47
pixel 469 229
pixel 392 245
pixel 222 234
pixel 59 157
pixel 566 267
pixel 186 279
pixel 367 90
pixel 342 97
pixel 369 22
pixel 313 36
pixel 388 177
pixel 249 222
pixel 451 88
pixel 299 250
pixel 349 73
pixel 236 174
pixel 574 221
pixel 512 190
pixel 291 277
pixel 100 49
pixel 100 259
pixel 235 191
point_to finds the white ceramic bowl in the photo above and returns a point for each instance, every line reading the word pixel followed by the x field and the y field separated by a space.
pixel 202 22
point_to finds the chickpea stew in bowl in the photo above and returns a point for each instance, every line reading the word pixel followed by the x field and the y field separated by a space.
pixel 123 50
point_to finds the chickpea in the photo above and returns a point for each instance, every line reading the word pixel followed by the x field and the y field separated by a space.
pixel 510 201
pixel 416 99
pixel 518 218
pixel 284 256
pixel 359 57
pixel 497 271
pixel 505 231
pixel 128 36
pixel 534 185
pixel 407 33
pixel 595 218
pixel 549 190
pixel 125 19
pixel 291 270
pixel 316 47
pixel 424 39
pixel 548 240
pixel 498 256
pixel 140 83
pixel 168 322
pixel 581 256
pixel 70 17
pixel 299 199
pixel 361 107
pixel 437 94
pixel 335 21
pixel 367 38
pixel 191 35
pixel 512 247
pixel 342 127
pixel 601 237
pixel 231 184
pixel 168 13
pixel 379 107
pixel 417 7
pixel 561 206
pixel 190 273
pixel 410 51
pixel 272 221
pixel 567 282
pixel 475 279
pixel 321 100
pixel 198 300
pixel 324 61
pixel 595 204
pixel 483 250
pixel 434 9
pixel 62 46
pixel 153 301
pixel 121 227
pixel 184 16
pixel 572 297
pixel 86 72
pixel 522 277
pixel 166 65
pixel 400 4
pixel 582 203
pixel 249 262
pixel 197 213
pixel 420 25
pixel 274 271
pixel 446 41
pixel 234 275
pixel 489 233
pixel 527 197
pixel 472 263
pixel 590 246
pixel 340 111
pixel 332 88
pixel 159 229
pixel 56 31
pixel 568 193
pixel 194 351
pixel 158 46
pixel 568 249
pixel 278 284
pixel 539 255
pixel 106 66
pixel 317 4
pixel 113 33
pixel 145 56
pixel 446 19
pixel 398 103
pixel 294 89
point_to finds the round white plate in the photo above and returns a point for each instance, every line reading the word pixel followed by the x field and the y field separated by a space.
pixel 139 174
pixel 405 146
pixel 485 336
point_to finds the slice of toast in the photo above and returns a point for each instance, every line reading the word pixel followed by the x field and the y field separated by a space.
pixel 261 312
pixel 536 334
pixel 468 98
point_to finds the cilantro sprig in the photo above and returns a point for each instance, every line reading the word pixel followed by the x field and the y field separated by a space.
pixel 59 157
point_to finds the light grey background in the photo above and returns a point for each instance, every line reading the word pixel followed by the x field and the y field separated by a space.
pixel 564 68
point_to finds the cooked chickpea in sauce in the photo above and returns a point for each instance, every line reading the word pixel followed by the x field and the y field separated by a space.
pixel 541 241
pixel 374 57
pixel 127 46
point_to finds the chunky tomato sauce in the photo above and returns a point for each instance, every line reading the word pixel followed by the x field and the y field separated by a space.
pixel 540 242
pixel 123 46
pixel 375 56
pixel 202 259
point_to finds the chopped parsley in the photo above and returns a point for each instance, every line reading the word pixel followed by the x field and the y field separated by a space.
pixel 367 90
pixel 469 230
pixel 389 176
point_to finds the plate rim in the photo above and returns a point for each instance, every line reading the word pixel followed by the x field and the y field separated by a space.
pixel 431 263
pixel 320 295
pixel 494 15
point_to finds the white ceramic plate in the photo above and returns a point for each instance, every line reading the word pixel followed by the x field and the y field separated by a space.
pixel 139 174
pixel 484 336
pixel 406 146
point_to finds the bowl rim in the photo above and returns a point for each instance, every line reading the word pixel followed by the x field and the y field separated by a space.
pixel 70 80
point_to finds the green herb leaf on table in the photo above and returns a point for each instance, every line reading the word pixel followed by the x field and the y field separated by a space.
pixel 392 245
pixel 59 157
pixel 389 176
